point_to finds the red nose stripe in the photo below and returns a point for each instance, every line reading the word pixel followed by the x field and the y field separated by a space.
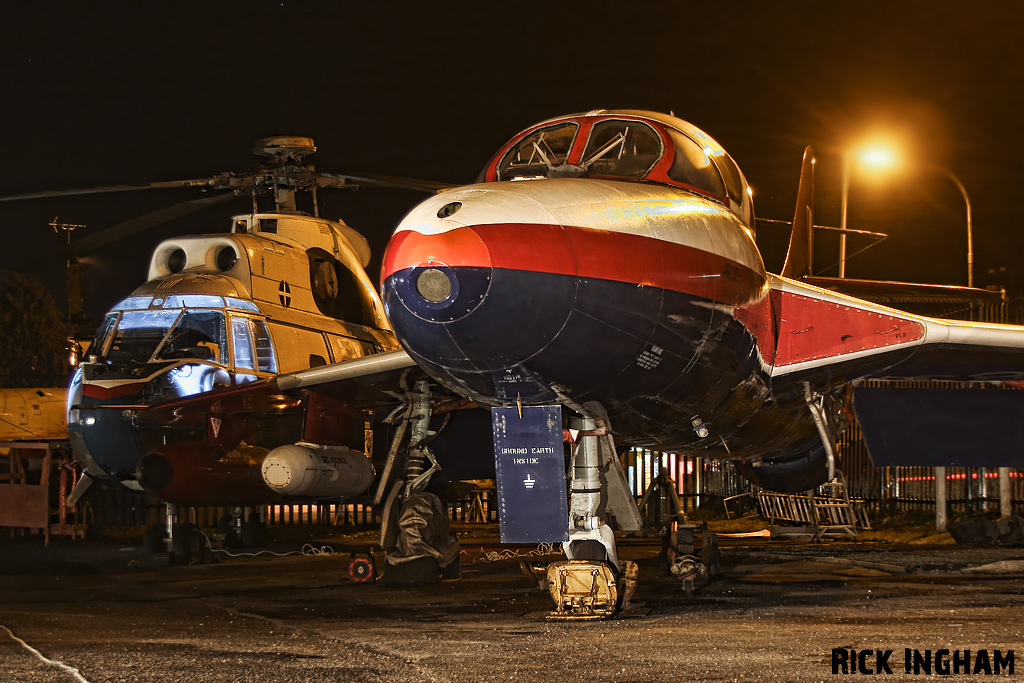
pixel 104 393
pixel 581 252
pixel 459 247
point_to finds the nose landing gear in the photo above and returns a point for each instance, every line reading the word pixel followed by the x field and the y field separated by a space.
pixel 593 583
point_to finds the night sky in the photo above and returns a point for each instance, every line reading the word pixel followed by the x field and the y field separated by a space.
pixel 105 93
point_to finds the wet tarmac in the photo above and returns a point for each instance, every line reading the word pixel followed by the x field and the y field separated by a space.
pixel 103 612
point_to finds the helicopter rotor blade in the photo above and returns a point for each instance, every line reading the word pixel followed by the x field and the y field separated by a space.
pixel 141 223
pixel 196 182
pixel 385 181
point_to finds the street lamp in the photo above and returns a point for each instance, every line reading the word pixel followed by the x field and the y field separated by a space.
pixel 882 157
pixel 876 156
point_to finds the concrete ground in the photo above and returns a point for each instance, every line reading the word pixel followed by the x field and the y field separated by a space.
pixel 103 611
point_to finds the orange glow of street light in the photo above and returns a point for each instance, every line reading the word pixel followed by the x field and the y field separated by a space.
pixel 877 157
pixel 881 156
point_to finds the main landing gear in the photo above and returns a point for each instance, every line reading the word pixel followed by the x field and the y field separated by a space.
pixel 414 522
pixel 592 583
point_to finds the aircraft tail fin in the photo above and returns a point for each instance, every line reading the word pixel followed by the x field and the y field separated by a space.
pixel 801 240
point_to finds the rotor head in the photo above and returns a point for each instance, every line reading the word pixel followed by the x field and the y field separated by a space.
pixel 280 147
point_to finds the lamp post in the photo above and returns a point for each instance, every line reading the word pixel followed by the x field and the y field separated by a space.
pixel 880 157
pixel 842 214
pixel 967 201
pixel 875 156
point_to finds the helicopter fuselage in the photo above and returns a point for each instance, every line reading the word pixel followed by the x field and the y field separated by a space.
pixel 281 293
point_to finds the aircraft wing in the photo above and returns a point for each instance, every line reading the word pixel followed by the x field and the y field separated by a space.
pixel 891 293
pixel 361 382
pixel 825 339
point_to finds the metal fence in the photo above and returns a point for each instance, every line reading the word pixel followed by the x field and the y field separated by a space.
pixel 112 507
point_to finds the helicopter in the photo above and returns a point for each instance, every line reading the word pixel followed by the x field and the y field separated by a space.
pixel 284 290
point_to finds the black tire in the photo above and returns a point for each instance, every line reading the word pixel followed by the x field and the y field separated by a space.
pixel 188 544
pixel 453 570
pixel 419 571
pixel 226 529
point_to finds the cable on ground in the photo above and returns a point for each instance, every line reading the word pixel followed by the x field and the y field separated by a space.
pixel 70 669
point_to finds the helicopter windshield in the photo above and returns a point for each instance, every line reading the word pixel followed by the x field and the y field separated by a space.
pixel 162 334
pixel 139 333
pixel 197 334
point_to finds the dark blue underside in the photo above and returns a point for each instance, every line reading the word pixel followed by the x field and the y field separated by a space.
pixel 111 437
pixel 654 359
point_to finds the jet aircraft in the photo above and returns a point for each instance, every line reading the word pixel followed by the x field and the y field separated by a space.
pixel 605 265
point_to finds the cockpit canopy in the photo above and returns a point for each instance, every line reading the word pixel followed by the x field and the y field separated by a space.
pixel 625 145
pixel 146 329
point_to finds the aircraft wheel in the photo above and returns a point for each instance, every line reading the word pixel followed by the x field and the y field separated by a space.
pixel 254 533
pixel 453 570
pixel 361 569
pixel 419 571
pixel 188 545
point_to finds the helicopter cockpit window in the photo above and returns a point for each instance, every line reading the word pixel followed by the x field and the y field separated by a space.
pixel 188 332
pixel 538 153
pixel 193 301
pixel 139 334
pixel 197 334
pixel 102 334
pixel 133 302
pixel 265 360
pixel 693 166
pixel 626 149
pixel 243 346
pixel 242 304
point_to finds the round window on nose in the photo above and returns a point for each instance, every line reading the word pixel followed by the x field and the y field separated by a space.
pixel 449 209
pixel 434 285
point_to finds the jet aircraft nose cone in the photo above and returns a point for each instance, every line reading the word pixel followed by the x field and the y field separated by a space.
pixel 438 277
pixel 472 299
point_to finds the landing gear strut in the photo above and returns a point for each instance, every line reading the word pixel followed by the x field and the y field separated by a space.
pixel 594 583
pixel 414 524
